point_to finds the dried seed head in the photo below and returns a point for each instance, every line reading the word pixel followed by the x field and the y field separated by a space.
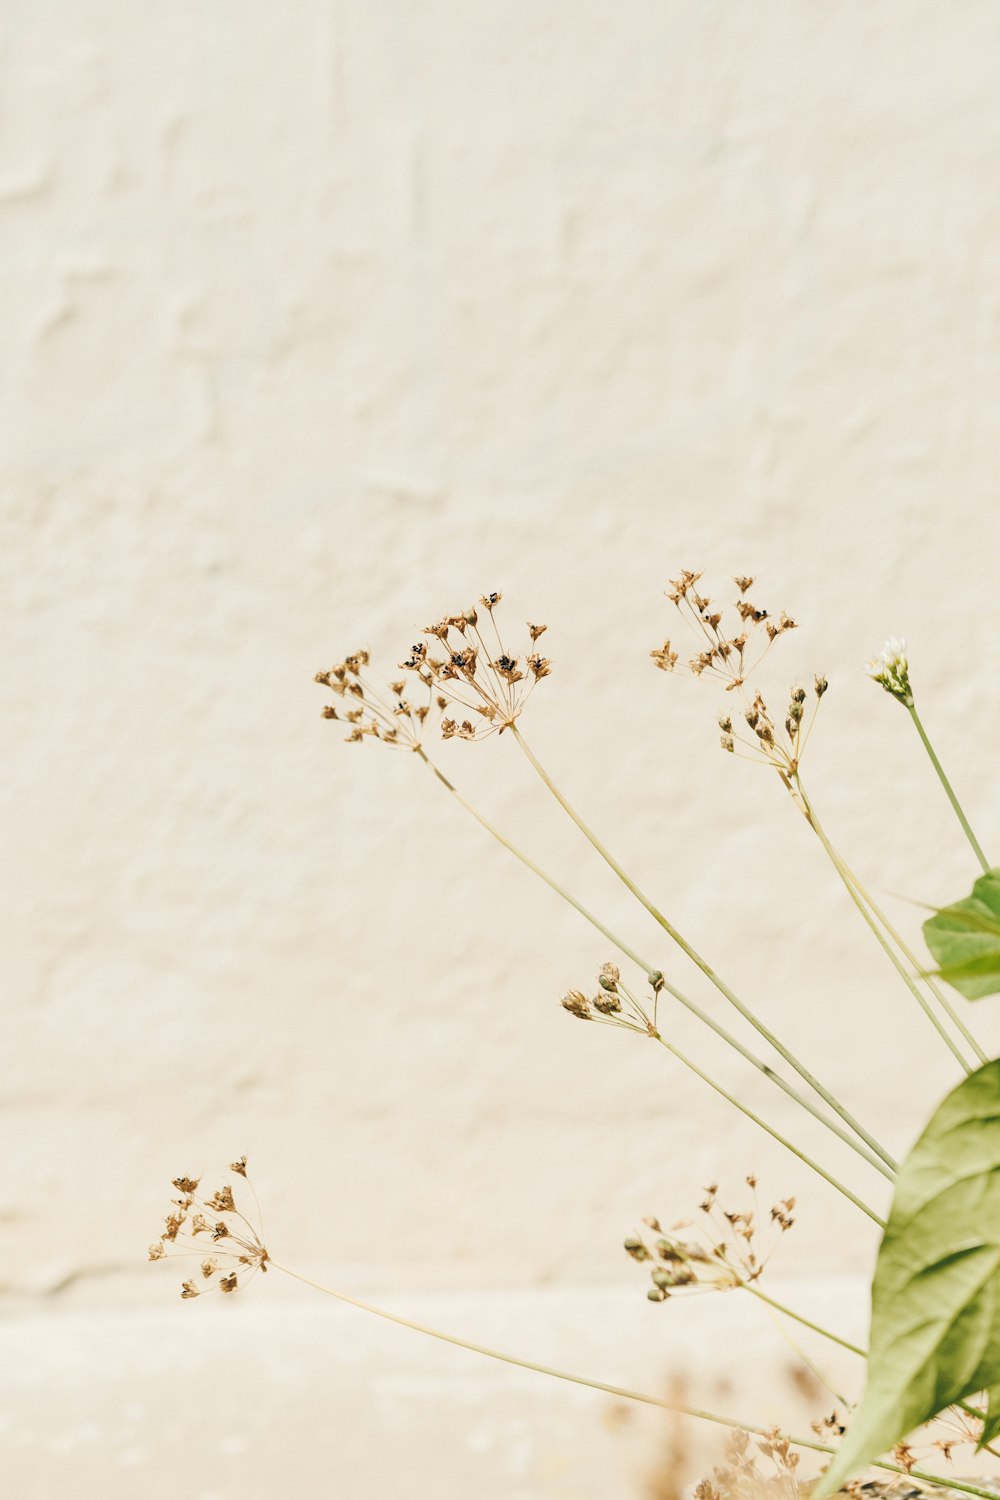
pixel 576 1002
pixel 379 710
pixel 664 658
pixel 241 1245
pixel 481 677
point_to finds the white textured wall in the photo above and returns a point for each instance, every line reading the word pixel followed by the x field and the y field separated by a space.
pixel 319 319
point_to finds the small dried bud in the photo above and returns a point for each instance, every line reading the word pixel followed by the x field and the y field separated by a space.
pixel 222 1202
pixel 656 981
pixel 609 977
pixel 727 742
pixel 536 630
pixel 157 1251
pixel 239 1167
pixel 228 1283
pixel 821 686
pixel 657 1294
pixel 664 658
pixel 577 1004
pixel 605 1004
pixel 653 1224
pixel 725 724
pixel 636 1249
pixel 743 584
pixel 189 1290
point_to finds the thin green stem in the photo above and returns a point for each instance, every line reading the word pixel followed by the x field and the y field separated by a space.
pixel 914 963
pixel 690 1005
pixel 700 962
pixel 622 1392
pixel 882 941
pixel 731 1099
pixel 956 805
pixel 796 1317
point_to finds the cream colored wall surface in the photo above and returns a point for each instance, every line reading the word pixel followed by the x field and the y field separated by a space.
pixel 319 320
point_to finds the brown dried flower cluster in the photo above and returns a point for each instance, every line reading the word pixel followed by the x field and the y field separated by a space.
pixel 373 710
pixel 729 1255
pixel 478 678
pixel 213 1231
pixel 614 1004
pixel 732 650
pixel 740 1477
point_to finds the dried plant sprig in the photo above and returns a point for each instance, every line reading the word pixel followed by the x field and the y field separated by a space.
pixel 655 977
pixel 479 678
pixel 187 1212
pixel 728 1253
pixel 731 651
pixel 714 978
pixel 196 1222
pixel 372 709
pixel 615 1004
pixel 763 738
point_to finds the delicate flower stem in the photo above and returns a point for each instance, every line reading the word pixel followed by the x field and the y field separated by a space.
pixel 789 1312
pixel 622 1392
pixel 914 963
pixel 884 944
pixel 679 996
pixel 526 860
pixel 701 963
pixel 956 805
pixel 688 1063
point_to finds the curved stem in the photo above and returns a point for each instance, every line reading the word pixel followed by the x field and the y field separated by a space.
pixel 701 963
pixel 956 805
pixel 688 1063
pixel 883 943
pixel 622 1392
pixel 690 1005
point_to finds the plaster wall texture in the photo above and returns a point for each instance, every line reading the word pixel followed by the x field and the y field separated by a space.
pixel 319 320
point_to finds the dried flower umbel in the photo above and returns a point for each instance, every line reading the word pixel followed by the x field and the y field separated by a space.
pixel 374 710
pixel 734 641
pixel 477 676
pixel 728 1254
pixel 730 654
pixel 213 1231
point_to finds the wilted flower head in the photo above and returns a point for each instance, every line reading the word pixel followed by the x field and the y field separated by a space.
pixel 468 665
pixel 615 1004
pixel 891 670
pixel 733 641
pixel 214 1230
pixel 372 709
pixel 727 1255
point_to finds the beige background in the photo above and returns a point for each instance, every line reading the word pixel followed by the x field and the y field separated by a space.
pixel 319 319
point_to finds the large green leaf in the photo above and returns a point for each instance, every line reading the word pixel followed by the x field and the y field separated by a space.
pixel 935 1330
pixel 965 939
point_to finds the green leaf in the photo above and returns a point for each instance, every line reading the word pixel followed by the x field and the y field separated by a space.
pixel 965 939
pixel 935 1330
pixel 991 1423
